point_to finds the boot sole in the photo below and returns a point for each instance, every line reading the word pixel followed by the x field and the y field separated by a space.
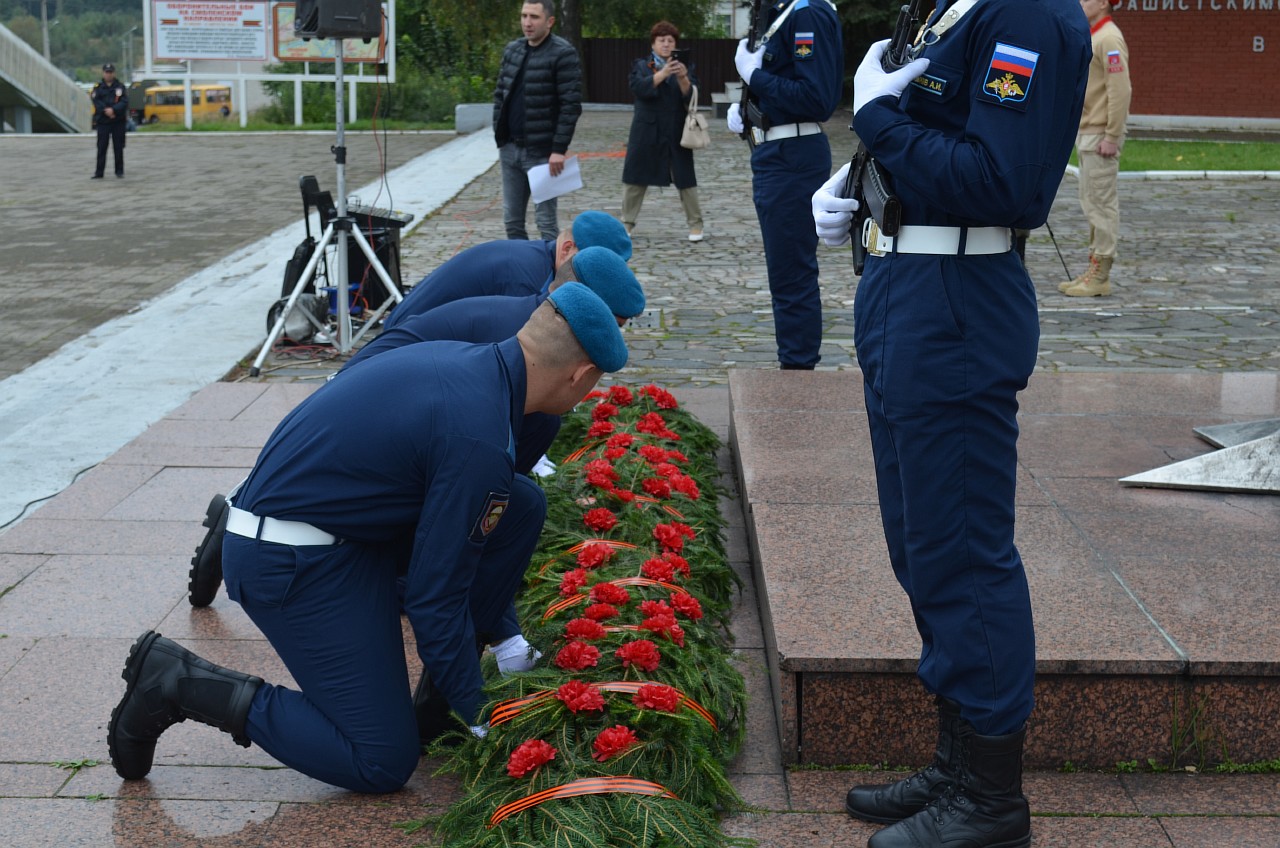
pixel 206 570
pixel 132 665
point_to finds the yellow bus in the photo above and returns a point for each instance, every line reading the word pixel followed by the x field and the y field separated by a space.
pixel 165 103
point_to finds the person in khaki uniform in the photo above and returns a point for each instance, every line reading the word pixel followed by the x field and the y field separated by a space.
pixel 1101 138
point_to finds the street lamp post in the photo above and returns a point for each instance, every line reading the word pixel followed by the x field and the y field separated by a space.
pixel 126 49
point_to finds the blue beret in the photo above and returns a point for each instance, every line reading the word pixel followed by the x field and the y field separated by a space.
pixel 593 325
pixel 596 229
pixel 606 273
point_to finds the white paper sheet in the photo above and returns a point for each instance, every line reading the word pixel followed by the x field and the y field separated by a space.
pixel 543 186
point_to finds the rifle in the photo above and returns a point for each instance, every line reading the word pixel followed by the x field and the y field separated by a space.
pixel 752 33
pixel 867 182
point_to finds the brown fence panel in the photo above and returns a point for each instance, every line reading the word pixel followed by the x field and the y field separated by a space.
pixel 607 62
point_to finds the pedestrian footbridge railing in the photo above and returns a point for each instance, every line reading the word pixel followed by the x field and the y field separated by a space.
pixel 30 84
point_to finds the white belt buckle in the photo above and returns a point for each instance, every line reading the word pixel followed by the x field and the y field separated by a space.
pixel 871 237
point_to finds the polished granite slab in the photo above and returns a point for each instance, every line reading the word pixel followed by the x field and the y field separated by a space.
pixel 1150 605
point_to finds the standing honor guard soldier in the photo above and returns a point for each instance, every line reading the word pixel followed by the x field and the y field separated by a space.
pixel 794 81
pixel 974 135
pixel 111 118
pixel 317 533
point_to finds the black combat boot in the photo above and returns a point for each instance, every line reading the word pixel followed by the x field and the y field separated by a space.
pixel 984 809
pixel 893 802
pixel 206 565
pixel 168 684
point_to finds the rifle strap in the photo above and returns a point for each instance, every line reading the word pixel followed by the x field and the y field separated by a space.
pixel 781 19
pixel 949 18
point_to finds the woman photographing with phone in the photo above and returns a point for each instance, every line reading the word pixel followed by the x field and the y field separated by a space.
pixel 663 84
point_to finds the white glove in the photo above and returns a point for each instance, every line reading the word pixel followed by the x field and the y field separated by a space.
pixel 832 214
pixel 515 654
pixel 480 731
pixel 543 467
pixel 748 60
pixel 734 118
pixel 871 81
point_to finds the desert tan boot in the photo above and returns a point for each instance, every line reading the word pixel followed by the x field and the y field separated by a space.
pixel 1088 274
pixel 1097 285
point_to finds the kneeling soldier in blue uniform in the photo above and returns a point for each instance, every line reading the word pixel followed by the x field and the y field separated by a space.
pixel 510 267
pixel 316 533
pixel 975 133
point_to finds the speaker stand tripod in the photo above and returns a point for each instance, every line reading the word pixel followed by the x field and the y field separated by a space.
pixel 340 227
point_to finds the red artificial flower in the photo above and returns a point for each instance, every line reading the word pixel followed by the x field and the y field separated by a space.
pixel 594 394
pixel 576 656
pixel 609 593
pixel 674 455
pixel 600 468
pixel 686 605
pixel 528 756
pixel 658 569
pixel 600 519
pixel 671 536
pixel 659 624
pixel 594 555
pixel 600 429
pixel 652 608
pixel 685 485
pixel 613 741
pixel 624 495
pixel 657 487
pixel 621 395
pixel 621 440
pixel 665 469
pixel 679 563
pixel 653 454
pixel 656 696
pixel 651 423
pixel 580 697
pixel 612 454
pixel 585 628
pixel 641 653
pixel 600 612
pixel 603 411
pixel 663 398
pixel 573 581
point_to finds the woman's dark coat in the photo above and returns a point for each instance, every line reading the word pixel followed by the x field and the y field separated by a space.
pixel 654 154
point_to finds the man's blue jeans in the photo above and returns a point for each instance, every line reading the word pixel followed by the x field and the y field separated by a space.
pixel 516 162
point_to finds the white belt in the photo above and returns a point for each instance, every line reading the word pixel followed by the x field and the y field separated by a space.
pixel 296 533
pixel 938 241
pixel 791 131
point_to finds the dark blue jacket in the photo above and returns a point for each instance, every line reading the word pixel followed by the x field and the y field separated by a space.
pixel 803 66
pixel 982 138
pixel 512 268
pixel 371 461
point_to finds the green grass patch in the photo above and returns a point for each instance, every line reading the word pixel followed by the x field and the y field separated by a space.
pixel 233 125
pixel 1144 154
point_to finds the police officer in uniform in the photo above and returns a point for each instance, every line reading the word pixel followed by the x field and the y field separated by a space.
pixel 513 267
pixel 794 81
pixel 314 539
pixel 975 135
pixel 110 116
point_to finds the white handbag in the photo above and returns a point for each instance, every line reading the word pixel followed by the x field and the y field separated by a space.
pixel 696 135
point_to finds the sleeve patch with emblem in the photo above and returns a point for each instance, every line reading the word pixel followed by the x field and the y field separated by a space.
pixel 1115 64
pixel 804 45
pixel 494 506
pixel 1008 80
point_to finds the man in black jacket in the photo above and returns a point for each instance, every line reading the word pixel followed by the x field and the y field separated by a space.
pixel 535 109
pixel 110 116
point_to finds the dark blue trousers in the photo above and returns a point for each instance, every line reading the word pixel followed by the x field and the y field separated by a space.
pixel 945 344
pixel 333 615
pixel 785 174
